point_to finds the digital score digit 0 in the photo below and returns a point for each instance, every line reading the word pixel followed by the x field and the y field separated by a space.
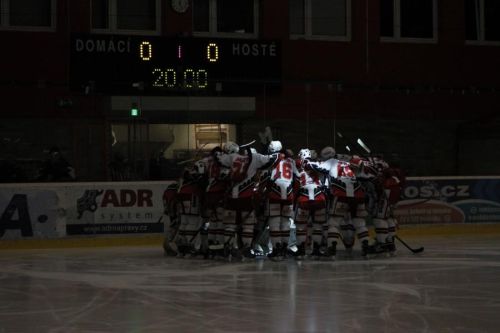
pixel 145 51
pixel 212 52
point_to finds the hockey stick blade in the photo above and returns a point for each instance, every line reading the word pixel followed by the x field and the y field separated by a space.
pixel 247 144
pixel 350 148
pixel 417 250
pixel 364 146
pixel 186 161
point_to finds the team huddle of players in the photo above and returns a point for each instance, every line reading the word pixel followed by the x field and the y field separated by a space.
pixel 237 203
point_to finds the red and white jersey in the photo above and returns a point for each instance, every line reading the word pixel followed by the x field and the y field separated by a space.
pixel 365 169
pixel 310 193
pixel 190 184
pixel 394 180
pixel 243 169
pixel 341 178
pixel 310 184
pixel 282 174
pixel 217 174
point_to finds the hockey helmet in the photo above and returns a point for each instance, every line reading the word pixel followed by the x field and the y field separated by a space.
pixel 274 147
pixel 327 152
pixel 216 150
pixel 379 163
pixel 304 153
pixel 231 147
pixel 199 166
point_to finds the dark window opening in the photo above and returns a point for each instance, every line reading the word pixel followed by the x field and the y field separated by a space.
pixel 492 20
pixel 387 18
pixel 100 14
pixel 297 16
pixel 235 16
pixel 417 19
pixel 32 13
pixel 136 14
pixel 201 15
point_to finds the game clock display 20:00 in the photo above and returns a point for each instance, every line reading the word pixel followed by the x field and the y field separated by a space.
pixel 119 64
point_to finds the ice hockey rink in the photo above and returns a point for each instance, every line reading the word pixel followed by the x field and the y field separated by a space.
pixel 453 286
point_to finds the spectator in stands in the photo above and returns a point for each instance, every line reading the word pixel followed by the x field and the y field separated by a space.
pixel 11 172
pixel 56 168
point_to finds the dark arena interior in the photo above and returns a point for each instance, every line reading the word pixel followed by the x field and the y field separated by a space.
pixel 249 166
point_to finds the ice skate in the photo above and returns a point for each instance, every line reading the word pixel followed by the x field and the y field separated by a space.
pixel 277 253
pixel 331 252
pixel 316 253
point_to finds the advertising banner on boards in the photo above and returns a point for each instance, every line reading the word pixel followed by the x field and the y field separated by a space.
pixel 115 208
pixel 107 208
pixel 30 213
pixel 59 210
pixel 450 200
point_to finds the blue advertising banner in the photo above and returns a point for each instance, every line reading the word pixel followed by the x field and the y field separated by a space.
pixel 450 200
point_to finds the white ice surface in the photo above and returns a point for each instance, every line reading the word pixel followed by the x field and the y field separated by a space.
pixel 453 286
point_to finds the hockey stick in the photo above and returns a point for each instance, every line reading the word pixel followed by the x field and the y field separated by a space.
pixel 350 148
pixel 196 156
pixel 186 161
pixel 364 146
pixel 358 141
pixel 247 144
pixel 417 250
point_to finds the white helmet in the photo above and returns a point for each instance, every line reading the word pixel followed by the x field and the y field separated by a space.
pixel 274 147
pixel 231 147
pixel 327 152
pixel 304 153
pixel 199 166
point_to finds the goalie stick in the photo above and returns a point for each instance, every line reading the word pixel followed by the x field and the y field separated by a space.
pixel 417 250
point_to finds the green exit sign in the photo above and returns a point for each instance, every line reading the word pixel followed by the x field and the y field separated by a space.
pixel 134 110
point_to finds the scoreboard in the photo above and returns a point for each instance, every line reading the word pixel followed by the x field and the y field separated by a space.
pixel 121 64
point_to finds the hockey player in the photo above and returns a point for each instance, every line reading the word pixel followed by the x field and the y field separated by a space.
pixel 279 199
pixel 346 207
pixel 331 228
pixel 213 204
pixel 239 203
pixel 189 196
pixel 391 181
pixel 310 204
pixel 394 182
pixel 171 226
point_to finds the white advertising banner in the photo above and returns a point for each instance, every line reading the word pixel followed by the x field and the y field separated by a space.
pixel 59 210
pixel 33 213
pixel 115 208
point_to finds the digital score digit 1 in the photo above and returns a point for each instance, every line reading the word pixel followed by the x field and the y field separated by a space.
pixel 145 51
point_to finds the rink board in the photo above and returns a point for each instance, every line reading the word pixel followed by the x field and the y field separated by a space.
pixel 81 209
pixel 116 213
pixel 437 200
